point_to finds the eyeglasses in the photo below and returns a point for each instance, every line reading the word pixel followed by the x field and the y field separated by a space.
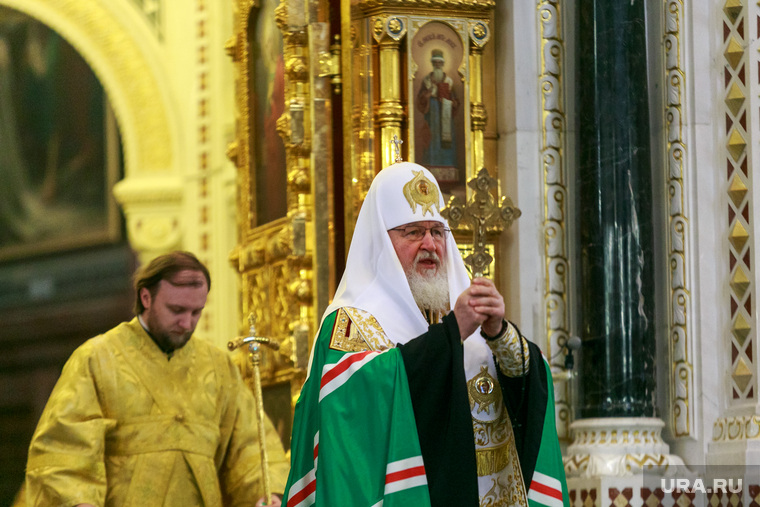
pixel 417 232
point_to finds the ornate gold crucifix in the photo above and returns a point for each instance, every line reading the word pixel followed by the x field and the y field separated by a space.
pixel 480 215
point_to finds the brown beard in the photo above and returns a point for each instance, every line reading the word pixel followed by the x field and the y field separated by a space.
pixel 166 340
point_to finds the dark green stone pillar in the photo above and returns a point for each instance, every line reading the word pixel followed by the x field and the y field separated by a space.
pixel 615 217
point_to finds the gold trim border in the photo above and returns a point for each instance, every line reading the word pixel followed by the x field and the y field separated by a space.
pixel 736 429
pixel 554 168
pixel 681 381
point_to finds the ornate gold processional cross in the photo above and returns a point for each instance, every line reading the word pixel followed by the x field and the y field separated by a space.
pixel 480 214
pixel 254 347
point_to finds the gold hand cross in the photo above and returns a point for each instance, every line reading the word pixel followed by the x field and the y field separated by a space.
pixel 480 214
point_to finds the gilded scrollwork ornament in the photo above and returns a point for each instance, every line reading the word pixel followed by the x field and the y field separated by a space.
pixel 378 28
pixel 299 180
pixel 395 27
pixel 464 6
pixel 479 33
pixel 281 16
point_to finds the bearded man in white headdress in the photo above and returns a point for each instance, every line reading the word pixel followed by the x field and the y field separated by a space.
pixel 418 391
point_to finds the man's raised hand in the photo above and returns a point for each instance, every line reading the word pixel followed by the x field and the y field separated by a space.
pixel 479 305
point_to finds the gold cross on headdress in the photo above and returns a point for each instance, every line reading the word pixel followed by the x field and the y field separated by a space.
pixel 396 142
pixel 480 214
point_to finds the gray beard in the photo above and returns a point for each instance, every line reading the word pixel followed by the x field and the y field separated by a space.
pixel 438 75
pixel 430 292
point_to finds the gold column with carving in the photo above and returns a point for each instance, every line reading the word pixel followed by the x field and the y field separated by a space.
pixel 479 35
pixel 390 113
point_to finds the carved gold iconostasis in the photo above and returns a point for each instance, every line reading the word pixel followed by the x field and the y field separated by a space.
pixel 320 94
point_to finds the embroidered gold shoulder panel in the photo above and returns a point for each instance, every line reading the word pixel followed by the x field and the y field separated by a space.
pixel 356 330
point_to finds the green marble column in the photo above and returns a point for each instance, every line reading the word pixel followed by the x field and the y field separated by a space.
pixel 614 204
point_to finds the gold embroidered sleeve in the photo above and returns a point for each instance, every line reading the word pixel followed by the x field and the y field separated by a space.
pixel 506 349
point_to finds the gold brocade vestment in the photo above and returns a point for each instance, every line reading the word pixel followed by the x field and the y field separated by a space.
pixel 124 427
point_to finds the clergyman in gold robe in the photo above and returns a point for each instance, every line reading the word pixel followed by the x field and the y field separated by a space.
pixel 146 415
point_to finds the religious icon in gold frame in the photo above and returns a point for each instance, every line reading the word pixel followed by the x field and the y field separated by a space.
pixel 60 152
pixel 267 73
pixel 439 102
